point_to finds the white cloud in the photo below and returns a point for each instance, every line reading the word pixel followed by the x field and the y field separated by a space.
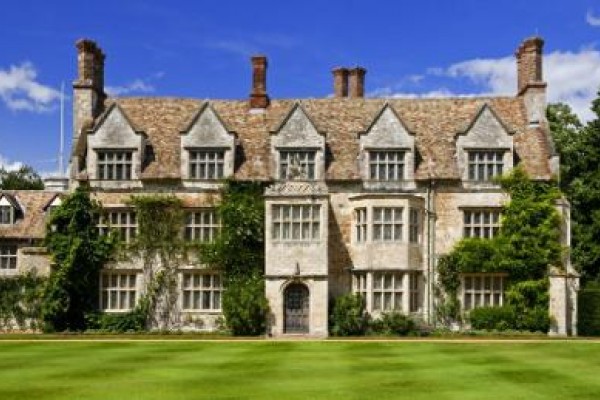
pixel 591 19
pixel 573 78
pixel 135 86
pixel 9 165
pixel 20 90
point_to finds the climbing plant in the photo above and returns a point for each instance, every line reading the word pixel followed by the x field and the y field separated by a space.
pixel 21 301
pixel 238 252
pixel 78 253
pixel 527 244
pixel 161 249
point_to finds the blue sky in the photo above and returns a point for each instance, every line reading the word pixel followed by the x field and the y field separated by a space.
pixel 201 49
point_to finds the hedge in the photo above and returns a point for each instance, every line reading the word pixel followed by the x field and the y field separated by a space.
pixel 589 312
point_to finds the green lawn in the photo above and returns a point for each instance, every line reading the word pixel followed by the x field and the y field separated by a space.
pixel 299 370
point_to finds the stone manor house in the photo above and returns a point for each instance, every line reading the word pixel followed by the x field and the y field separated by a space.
pixel 364 194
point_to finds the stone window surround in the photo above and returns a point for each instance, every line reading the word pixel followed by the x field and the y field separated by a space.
pixel 410 288
pixel 369 203
pixel 311 221
pixel 224 161
pixel 196 227
pixel 128 290
pixel 492 226
pixel 8 257
pixel 494 296
pixel 394 160
pixel 481 155
pixel 319 161
pixel 103 165
pixel 7 214
pixel 127 229
pixel 214 290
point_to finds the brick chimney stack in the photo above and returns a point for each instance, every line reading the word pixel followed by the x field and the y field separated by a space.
pixel 356 82
pixel 529 64
pixel 258 96
pixel 340 82
pixel 88 88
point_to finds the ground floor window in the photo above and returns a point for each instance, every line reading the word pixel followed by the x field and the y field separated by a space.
pixel 201 291
pixel 118 292
pixel 8 256
pixel 386 290
pixel 482 290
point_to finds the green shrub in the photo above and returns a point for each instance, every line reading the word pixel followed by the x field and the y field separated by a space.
pixel 20 301
pixel 245 306
pixel 394 323
pixel 493 318
pixel 589 312
pixel 348 317
pixel 132 321
pixel 509 317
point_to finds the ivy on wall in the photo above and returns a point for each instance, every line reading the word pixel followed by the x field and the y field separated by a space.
pixel 527 244
pixel 21 301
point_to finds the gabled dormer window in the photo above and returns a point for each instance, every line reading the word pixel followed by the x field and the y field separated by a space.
pixel 386 165
pixel 387 152
pixel 207 164
pixel 114 165
pixel 297 164
pixel 483 165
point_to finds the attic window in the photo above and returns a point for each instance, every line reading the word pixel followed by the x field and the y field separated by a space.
pixel 207 164
pixel 386 165
pixel 297 164
pixel 7 215
pixel 115 165
pixel 485 165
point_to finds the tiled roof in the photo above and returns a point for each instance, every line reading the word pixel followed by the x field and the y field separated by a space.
pixel 435 123
pixel 32 221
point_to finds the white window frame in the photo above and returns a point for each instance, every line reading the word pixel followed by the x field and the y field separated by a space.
pixel 201 291
pixel 118 291
pixel 477 293
pixel 305 160
pixel 388 223
pixel 114 164
pixel 206 164
pixel 484 165
pixel 202 225
pixel 8 257
pixel 481 222
pixel 122 221
pixel 296 222
pixel 386 165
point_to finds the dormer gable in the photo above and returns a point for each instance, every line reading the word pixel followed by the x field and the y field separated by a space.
pixel 115 148
pixel 54 202
pixel 10 210
pixel 207 147
pixel 484 148
pixel 387 152
pixel 297 148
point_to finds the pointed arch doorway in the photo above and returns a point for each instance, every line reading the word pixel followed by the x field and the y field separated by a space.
pixel 296 308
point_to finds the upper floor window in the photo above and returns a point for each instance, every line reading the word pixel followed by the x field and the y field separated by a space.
pixel 414 225
pixel 118 291
pixel 6 215
pixel 483 166
pixel 387 224
pixel 296 222
pixel 297 164
pixel 8 256
pixel 386 165
pixel 115 165
pixel 361 225
pixel 481 223
pixel 482 290
pixel 123 222
pixel 201 291
pixel 202 225
pixel 207 164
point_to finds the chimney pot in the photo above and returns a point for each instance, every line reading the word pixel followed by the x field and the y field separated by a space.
pixel 340 82
pixel 357 82
pixel 258 96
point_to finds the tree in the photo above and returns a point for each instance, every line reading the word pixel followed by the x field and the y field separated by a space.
pixel 79 252
pixel 579 149
pixel 24 178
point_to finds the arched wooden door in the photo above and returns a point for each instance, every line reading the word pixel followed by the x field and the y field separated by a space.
pixel 296 309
